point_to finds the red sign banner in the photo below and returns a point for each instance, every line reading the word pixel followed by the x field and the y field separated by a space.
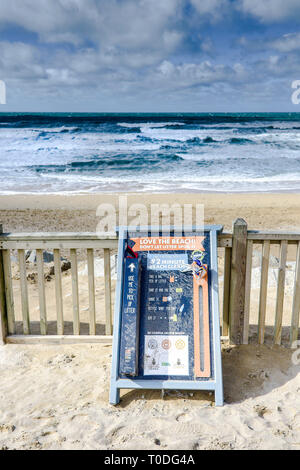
pixel 167 243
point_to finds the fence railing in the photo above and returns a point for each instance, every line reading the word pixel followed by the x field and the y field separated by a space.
pixel 240 258
pixel 68 244
pixel 236 251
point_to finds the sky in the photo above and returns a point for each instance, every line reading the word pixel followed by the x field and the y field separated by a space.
pixel 149 55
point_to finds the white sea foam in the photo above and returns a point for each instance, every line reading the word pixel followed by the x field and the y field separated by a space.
pixel 241 156
pixel 149 125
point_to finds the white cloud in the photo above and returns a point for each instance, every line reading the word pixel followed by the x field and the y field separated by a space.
pixel 269 11
pixel 139 48
pixel 131 23
pixel 19 60
pixel 277 66
pixel 133 32
pixel 284 44
pixel 44 17
pixel 211 9
pixel 287 43
pixel 204 73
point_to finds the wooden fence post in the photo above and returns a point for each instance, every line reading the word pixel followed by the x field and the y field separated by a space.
pixel 237 281
pixel 3 313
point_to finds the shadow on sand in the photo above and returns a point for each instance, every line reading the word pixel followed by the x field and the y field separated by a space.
pixel 52 328
pixel 248 371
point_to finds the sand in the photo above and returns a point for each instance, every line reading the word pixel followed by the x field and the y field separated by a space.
pixel 78 212
pixel 56 397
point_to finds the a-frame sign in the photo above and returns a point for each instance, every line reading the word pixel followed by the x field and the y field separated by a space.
pixel 167 322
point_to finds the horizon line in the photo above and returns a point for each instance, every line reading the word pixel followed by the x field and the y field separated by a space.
pixel 150 112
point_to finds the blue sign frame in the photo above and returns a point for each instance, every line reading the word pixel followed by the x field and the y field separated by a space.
pixel 213 384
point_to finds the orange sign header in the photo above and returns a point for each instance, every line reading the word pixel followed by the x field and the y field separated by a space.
pixel 167 243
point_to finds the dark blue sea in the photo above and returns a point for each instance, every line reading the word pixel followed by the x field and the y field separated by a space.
pixel 71 153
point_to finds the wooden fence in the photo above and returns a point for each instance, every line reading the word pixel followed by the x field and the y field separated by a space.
pixel 238 285
pixel 58 243
pixel 235 253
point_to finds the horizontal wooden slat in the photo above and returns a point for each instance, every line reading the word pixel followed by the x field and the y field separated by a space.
pixel 276 237
pixel 57 244
pixel 66 245
pixel 225 240
pixel 68 240
pixel 56 236
pixel 58 339
pixel 275 242
pixel 76 244
pixel 91 236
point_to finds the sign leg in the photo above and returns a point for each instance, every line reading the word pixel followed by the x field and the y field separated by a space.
pixel 219 399
pixel 114 396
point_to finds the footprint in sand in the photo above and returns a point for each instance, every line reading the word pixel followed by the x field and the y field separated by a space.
pixel 261 410
pixel 182 418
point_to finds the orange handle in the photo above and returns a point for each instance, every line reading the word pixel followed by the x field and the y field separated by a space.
pixel 205 336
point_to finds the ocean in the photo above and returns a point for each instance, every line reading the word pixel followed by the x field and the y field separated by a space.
pixel 71 153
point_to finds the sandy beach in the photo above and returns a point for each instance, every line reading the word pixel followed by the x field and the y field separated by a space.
pixel 175 115
pixel 268 211
pixel 57 396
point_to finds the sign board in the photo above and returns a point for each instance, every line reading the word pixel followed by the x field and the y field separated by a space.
pixel 166 324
